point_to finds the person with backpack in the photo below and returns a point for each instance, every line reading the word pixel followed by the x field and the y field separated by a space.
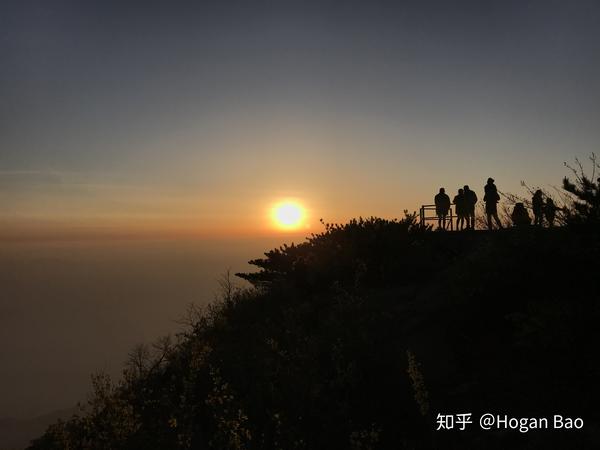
pixel 491 200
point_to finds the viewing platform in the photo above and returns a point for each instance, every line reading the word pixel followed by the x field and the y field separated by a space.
pixel 430 209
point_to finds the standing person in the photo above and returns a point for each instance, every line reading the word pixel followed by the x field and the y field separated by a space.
pixel 470 202
pixel 537 203
pixel 442 205
pixel 550 211
pixel 491 199
pixel 460 207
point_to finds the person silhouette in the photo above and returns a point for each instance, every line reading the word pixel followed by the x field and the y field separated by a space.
pixel 520 216
pixel 460 205
pixel 537 203
pixel 442 205
pixel 491 199
pixel 470 202
pixel 550 211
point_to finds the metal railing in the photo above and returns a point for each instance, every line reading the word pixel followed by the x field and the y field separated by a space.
pixel 423 217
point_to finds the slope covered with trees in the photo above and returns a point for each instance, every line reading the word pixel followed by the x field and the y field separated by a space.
pixel 360 336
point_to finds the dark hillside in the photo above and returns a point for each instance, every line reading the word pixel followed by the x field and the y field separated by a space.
pixel 359 337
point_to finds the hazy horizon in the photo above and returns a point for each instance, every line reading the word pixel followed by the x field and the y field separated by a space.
pixel 144 146
pixel 73 308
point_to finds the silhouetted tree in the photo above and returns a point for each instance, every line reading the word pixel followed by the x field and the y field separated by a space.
pixel 584 189
pixel 357 337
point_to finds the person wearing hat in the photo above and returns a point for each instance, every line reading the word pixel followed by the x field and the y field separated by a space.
pixel 491 200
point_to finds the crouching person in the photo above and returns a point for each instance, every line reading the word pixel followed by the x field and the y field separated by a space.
pixel 520 216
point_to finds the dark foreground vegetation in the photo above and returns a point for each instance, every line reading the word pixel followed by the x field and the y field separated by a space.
pixel 360 337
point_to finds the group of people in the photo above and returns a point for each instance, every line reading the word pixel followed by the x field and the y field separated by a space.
pixel 466 199
pixel 541 210
pixel 465 202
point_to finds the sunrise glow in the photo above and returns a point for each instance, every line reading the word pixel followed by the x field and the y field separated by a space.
pixel 288 215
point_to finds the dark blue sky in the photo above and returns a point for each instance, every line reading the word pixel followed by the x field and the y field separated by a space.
pixel 155 109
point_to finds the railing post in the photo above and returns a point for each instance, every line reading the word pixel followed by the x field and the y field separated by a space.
pixel 423 216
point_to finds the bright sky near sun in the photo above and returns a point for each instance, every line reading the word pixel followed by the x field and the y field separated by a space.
pixel 289 215
pixel 200 117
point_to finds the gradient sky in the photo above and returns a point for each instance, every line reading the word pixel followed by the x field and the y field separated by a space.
pixel 197 116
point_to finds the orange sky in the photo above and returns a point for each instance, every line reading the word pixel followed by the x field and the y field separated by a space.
pixel 196 119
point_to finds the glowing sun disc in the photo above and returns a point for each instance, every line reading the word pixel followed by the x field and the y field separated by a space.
pixel 288 215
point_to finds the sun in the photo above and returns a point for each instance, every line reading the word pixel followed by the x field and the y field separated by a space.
pixel 288 215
